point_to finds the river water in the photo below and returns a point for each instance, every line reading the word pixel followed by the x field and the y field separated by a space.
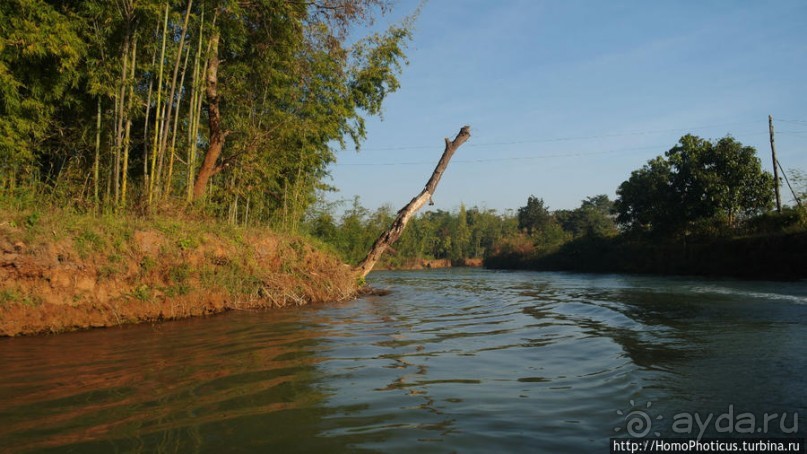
pixel 450 361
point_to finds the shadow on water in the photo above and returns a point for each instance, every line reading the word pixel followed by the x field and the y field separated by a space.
pixel 198 385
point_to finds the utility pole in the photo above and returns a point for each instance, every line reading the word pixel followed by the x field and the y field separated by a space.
pixel 775 167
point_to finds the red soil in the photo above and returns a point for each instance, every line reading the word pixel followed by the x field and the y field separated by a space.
pixel 48 287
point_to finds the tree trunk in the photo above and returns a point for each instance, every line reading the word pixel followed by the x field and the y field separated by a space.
pixel 120 113
pixel 170 178
pixel 217 135
pixel 96 165
pixel 396 229
pixel 128 130
pixel 158 113
pixel 194 112
pixel 166 126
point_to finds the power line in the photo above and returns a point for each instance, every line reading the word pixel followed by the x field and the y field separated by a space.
pixel 511 158
pixel 557 139
pixel 515 158
pixel 563 139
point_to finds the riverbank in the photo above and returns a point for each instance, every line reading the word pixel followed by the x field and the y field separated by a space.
pixel 429 264
pixel 781 256
pixel 62 271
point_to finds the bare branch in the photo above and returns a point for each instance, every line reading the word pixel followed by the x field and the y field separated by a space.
pixel 396 229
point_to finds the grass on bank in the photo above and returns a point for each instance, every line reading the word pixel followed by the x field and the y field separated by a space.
pixel 105 262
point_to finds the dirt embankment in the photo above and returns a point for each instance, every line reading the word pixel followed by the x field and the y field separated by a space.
pixel 83 274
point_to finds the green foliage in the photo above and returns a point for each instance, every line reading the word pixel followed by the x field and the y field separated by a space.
pixel 702 208
pixel 179 276
pixel 547 231
pixel 377 59
pixel 9 296
pixel 32 219
pixel 594 218
pixel 465 233
pixel 313 91
pixel 461 236
pixel 697 187
pixel 86 242
pixel 40 54
pixel 533 217
pixel 788 221
pixel 107 271
pixel 185 244
pixel 147 264
pixel 179 273
pixel 16 295
pixel 143 293
pixel 234 279
pixel 293 79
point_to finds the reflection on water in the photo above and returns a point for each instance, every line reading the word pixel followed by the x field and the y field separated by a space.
pixel 454 360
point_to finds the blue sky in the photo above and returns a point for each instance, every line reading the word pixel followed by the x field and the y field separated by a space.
pixel 566 98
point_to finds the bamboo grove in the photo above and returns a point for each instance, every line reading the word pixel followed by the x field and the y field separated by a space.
pixel 234 106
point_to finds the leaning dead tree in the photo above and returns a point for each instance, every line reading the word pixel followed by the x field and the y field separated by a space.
pixel 396 229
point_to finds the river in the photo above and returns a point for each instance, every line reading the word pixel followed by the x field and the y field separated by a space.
pixel 455 360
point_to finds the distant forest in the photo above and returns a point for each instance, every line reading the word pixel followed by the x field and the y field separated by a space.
pixel 702 207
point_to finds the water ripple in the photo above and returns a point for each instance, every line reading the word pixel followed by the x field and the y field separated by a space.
pixel 454 360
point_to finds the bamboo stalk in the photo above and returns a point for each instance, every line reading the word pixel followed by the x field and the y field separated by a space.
pixel 169 179
pixel 120 114
pixel 145 137
pixel 170 100
pixel 96 167
pixel 195 111
pixel 146 122
pixel 127 132
pixel 158 120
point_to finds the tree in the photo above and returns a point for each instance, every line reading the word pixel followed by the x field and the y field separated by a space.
pixel 593 218
pixel 40 56
pixel 742 188
pixel 102 99
pixel 283 86
pixel 697 185
pixel 461 236
pixel 534 216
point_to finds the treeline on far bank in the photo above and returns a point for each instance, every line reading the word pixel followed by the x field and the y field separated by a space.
pixel 702 208
pixel 432 235
pixel 777 251
pixel 458 235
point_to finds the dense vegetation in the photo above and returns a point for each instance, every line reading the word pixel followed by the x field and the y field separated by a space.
pixel 696 186
pixel 463 233
pixel 134 105
pixel 704 207
pixel 460 234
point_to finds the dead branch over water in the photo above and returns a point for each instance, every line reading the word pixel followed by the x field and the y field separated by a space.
pixel 396 229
